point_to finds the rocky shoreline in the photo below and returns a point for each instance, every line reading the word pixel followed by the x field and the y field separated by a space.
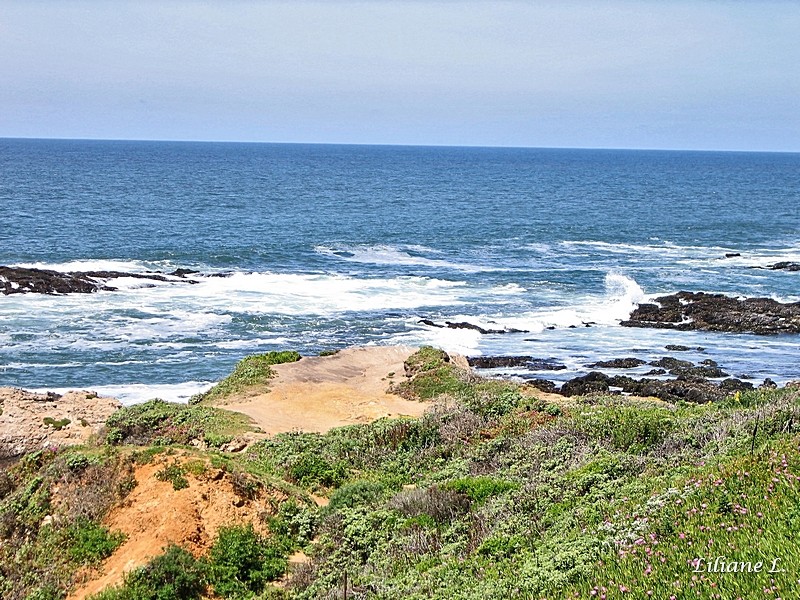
pixel 22 280
pixel 699 311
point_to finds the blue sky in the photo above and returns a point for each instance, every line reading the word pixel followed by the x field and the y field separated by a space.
pixel 697 74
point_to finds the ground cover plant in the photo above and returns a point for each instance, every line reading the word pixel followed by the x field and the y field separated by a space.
pixel 493 493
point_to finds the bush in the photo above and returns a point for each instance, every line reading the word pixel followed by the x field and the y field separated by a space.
pixel 164 423
pixel 358 492
pixel 242 562
pixel 173 473
pixel 310 468
pixel 174 575
pixel 441 505
pixel 91 543
pixel 478 489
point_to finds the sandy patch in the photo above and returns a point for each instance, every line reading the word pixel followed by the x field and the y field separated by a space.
pixel 318 393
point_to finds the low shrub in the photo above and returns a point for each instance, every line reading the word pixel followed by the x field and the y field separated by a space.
pixel 91 543
pixel 174 473
pixel 242 562
pixel 442 505
pixel 174 575
pixel 161 423
pixel 478 489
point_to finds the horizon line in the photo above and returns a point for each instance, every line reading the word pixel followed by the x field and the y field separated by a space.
pixel 396 145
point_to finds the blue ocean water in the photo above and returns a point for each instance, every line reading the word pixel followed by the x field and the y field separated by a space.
pixel 330 246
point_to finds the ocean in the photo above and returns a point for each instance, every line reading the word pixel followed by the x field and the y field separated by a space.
pixel 319 247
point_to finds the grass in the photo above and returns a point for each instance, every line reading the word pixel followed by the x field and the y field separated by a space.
pixel 251 374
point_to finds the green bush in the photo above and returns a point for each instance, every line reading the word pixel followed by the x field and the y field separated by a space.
pixel 56 424
pixel 174 575
pixel 478 489
pixel 164 423
pixel 358 492
pixel 91 543
pixel 310 468
pixel 173 473
pixel 241 562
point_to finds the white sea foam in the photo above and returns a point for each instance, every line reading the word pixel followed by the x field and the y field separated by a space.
pixel 621 296
pixel 125 266
pixel 398 255
pixel 136 393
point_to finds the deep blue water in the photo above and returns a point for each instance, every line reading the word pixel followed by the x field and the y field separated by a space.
pixel 332 246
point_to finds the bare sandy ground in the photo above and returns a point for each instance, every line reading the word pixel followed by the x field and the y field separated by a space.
pixel 318 393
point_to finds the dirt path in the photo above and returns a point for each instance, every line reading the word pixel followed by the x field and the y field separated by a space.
pixel 318 393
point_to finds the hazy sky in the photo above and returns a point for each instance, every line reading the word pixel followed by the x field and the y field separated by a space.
pixel 696 74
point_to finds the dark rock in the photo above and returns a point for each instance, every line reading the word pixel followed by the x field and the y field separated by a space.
pixel 587 384
pixel 466 325
pixel 687 311
pixel 785 266
pixel 18 280
pixel 429 323
pixel 768 384
pixel 732 254
pixel 671 363
pixel 534 364
pixel 494 362
pixel 735 385
pixel 183 272
pixel 677 348
pixel 618 363
pixel 544 385
pixel 709 363
pixel 656 372
pixel 687 369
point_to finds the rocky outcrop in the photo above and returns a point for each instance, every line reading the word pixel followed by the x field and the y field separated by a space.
pixel 533 364
pixel 618 363
pixel 687 311
pixel 30 421
pixel 21 280
pixel 674 390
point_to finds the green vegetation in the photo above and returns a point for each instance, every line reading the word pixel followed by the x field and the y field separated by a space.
pixel 160 423
pixel 56 424
pixel 174 473
pixel 251 374
pixel 491 494
pixel 46 538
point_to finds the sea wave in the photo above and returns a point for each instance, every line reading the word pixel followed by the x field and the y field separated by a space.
pixel 406 255
pixel 136 393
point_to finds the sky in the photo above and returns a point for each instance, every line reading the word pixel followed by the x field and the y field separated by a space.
pixel 693 74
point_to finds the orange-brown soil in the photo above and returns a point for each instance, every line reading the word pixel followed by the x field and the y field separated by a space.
pixel 155 515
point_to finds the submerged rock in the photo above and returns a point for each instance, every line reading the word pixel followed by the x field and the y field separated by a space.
pixel 466 325
pixel 688 311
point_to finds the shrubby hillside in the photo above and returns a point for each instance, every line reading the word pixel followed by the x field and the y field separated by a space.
pixel 498 491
